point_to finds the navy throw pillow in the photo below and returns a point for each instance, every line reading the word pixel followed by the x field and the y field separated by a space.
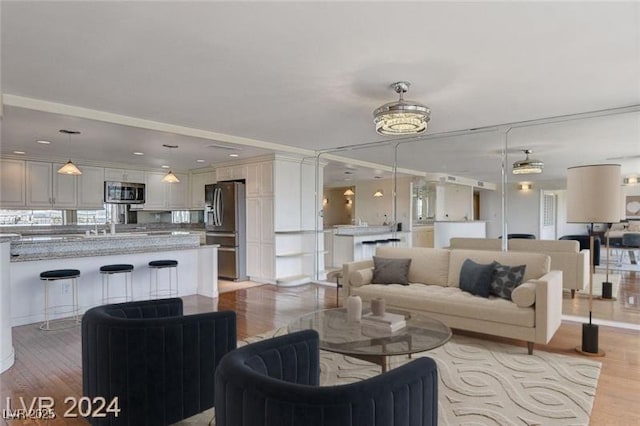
pixel 476 278
pixel 505 279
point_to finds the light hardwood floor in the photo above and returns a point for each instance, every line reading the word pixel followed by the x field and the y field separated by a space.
pixel 49 363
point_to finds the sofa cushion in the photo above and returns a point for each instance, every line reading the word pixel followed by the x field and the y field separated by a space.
pixel 524 295
pixel 452 301
pixel 390 271
pixel 428 265
pixel 544 246
pixel 537 263
pixel 505 279
pixel 475 278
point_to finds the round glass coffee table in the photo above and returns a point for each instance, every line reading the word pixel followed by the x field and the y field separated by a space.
pixel 358 340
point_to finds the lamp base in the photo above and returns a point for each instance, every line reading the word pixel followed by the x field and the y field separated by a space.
pixel 607 290
pixel 590 341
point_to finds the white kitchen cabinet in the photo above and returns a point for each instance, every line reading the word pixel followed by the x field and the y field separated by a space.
pixel 254 209
pixel 178 193
pixel 266 220
pixel 260 179
pixel 39 186
pixel 198 182
pixel 155 191
pixel 91 188
pixel 260 247
pixel 231 173
pixel 64 188
pixel 124 175
pixel 12 183
pixel 161 196
pixel 47 188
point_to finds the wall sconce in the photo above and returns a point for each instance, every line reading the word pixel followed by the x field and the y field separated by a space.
pixel 325 201
pixel 349 192
pixel 633 180
pixel 378 193
pixel 349 202
pixel 524 186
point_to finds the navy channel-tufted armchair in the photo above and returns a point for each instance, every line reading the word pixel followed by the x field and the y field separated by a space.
pixel 275 382
pixel 158 363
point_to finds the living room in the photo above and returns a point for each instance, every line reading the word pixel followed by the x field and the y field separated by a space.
pixel 302 79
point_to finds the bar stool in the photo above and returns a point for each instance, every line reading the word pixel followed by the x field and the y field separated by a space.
pixel 157 265
pixel 107 270
pixel 394 242
pixel 368 249
pixel 55 275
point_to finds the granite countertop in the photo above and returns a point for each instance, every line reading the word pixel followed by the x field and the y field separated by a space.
pixel 66 246
pixel 9 237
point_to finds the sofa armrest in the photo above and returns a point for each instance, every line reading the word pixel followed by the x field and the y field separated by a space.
pixel 548 305
pixel 361 277
pixel 584 270
pixel 350 267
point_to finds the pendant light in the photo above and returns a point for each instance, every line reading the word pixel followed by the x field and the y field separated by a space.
pixel 528 165
pixel 69 168
pixel 401 117
pixel 170 177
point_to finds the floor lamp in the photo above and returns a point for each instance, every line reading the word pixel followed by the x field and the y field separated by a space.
pixel 593 196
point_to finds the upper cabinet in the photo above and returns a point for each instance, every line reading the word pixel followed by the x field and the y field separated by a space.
pixel 91 188
pixel 37 184
pixel 47 188
pixel 161 196
pixel 231 173
pixel 260 179
pixel 198 181
pixel 124 175
pixel 12 183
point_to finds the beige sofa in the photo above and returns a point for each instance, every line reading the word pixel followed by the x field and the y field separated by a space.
pixel 433 290
pixel 565 255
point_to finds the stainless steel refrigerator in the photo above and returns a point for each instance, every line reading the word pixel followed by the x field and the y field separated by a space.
pixel 225 223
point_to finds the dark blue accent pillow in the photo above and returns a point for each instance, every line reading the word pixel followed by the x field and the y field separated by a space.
pixel 506 279
pixel 476 278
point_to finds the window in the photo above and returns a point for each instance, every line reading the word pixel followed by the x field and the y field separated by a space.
pixel 31 217
pixel 91 217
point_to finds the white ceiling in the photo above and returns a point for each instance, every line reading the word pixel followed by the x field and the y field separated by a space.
pixel 309 74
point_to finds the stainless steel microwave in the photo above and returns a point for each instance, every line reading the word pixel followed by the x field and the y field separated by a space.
pixel 123 193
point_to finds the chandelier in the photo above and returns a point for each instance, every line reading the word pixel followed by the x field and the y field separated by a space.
pixel 401 117
pixel 528 165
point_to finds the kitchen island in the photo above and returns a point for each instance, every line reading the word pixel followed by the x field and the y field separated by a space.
pixel 29 256
pixel 7 356
pixel 347 241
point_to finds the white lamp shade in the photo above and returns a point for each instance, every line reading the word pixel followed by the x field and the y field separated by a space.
pixel 593 194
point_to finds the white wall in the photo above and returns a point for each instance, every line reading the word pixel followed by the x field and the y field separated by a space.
pixel 454 202
pixel 372 209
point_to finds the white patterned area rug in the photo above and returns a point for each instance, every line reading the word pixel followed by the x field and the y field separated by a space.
pixel 484 383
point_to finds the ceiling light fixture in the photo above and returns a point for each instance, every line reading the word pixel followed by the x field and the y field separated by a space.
pixel 401 117
pixel 43 142
pixel 138 153
pixel 378 193
pixel 170 177
pixel 19 152
pixel 233 155
pixel 69 168
pixel 528 165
